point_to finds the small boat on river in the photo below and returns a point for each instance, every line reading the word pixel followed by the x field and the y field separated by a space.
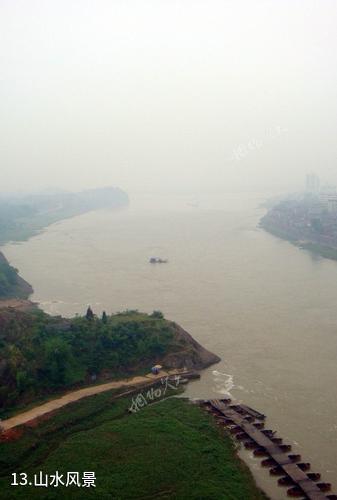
pixel 157 260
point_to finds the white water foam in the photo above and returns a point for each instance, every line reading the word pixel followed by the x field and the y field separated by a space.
pixel 224 382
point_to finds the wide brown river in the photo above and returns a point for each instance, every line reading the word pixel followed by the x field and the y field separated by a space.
pixel 267 308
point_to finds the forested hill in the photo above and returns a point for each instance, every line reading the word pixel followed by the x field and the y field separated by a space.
pixel 24 216
pixel 41 354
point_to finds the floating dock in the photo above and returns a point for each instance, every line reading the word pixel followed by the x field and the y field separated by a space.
pixel 247 425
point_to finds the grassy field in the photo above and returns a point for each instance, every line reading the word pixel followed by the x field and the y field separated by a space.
pixel 170 449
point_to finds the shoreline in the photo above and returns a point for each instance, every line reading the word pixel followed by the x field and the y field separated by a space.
pixel 24 305
pixel 311 246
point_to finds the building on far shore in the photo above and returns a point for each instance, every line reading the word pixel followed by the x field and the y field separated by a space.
pixel 328 199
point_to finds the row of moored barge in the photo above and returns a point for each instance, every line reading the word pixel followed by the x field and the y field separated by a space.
pixel 248 426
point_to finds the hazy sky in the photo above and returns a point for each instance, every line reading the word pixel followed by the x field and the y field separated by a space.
pixel 153 94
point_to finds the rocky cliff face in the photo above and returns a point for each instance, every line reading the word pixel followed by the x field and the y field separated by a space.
pixel 189 353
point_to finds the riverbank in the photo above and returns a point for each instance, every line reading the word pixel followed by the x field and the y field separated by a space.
pixel 310 246
pixel 315 248
pixel 305 221
pixel 18 304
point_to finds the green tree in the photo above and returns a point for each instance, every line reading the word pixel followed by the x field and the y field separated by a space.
pixel 157 315
pixel 89 315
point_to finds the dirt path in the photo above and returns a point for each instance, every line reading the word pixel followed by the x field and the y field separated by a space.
pixel 40 410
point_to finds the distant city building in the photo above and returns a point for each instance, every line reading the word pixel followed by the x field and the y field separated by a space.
pixel 312 183
pixel 329 200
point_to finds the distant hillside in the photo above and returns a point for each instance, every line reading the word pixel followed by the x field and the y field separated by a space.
pixel 41 354
pixel 23 216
